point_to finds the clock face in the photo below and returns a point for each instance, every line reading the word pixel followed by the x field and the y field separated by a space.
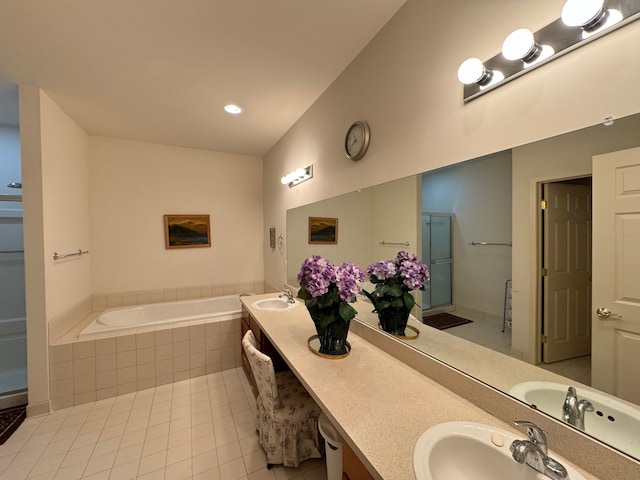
pixel 357 140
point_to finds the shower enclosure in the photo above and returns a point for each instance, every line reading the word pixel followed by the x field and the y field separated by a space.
pixel 437 254
pixel 13 337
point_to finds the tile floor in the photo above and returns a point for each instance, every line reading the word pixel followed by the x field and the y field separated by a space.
pixel 202 428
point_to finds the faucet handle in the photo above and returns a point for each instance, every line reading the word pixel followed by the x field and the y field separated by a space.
pixel 535 434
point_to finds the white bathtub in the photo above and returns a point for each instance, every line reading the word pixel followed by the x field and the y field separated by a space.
pixel 163 314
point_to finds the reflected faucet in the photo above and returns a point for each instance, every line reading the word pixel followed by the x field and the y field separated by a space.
pixel 573 410
pixel 534 451
pixel 287 293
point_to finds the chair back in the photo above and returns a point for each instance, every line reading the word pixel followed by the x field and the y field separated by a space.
pixel 263 372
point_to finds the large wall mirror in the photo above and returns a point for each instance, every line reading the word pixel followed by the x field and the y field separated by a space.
pixel 518 268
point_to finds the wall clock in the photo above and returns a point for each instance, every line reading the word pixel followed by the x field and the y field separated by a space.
pixel 356 141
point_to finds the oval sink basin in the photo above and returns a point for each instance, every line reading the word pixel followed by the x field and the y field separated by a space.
pixel 273 304
pixel 468 450
pixel 612 422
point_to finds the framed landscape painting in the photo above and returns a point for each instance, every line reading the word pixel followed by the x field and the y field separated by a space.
pixel 323 230
pixel 187 231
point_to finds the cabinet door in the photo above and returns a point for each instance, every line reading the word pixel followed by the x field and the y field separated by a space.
pixel 352 467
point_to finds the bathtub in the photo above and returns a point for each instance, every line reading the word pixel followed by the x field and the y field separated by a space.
pixel 116 320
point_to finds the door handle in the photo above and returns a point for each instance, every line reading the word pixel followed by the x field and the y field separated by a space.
pixel 441 261
pixel 604 312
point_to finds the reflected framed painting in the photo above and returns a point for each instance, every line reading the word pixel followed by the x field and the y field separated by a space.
pixel 323 230
pixel 187 231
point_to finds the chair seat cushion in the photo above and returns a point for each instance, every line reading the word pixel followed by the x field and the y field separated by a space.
pixel 296 405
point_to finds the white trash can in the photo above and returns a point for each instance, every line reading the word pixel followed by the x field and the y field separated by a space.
pixel 333 448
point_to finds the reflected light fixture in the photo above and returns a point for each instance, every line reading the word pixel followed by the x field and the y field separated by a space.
pixel 520 45
pixel 232 109
pixel 299 175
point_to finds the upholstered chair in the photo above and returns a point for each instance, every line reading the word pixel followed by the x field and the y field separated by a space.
pixel 287 415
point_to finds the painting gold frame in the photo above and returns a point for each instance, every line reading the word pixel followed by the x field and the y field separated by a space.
pixel 323 230
pixel 187 231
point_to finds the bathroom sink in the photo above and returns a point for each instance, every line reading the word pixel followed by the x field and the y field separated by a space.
pixel 273 304
pixel 612 421
pixel 467 450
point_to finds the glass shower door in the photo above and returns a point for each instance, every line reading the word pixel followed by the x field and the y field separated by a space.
pixel 437 253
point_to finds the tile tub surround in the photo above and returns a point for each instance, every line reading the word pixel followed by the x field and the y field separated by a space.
pixel 61 325
pixel 95 369
pixel 384 442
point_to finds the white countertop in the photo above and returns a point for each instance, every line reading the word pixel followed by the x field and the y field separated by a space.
pixel 378 404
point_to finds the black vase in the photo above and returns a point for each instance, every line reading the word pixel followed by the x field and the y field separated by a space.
pixel 394 319
pixel 333 336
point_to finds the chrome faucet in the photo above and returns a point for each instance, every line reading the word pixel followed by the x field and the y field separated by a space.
pixel 534 452
pixel 287 293
pixel 573 410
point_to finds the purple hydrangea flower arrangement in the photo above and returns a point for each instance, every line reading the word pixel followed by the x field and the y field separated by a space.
pixel 393 280
pixel 327 289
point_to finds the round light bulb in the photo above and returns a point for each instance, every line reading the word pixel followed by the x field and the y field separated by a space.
pixel 232 109
pixel 472 71
pixel 300 173
pixel 284 180
pixel 519 45
pixel 582 13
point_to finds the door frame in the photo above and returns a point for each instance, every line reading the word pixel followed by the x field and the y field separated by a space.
pixel 539 258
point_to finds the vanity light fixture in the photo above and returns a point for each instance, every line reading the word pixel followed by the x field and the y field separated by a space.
pixel 520 45
pixel 581 21
pixel 299 175
pixel 233 109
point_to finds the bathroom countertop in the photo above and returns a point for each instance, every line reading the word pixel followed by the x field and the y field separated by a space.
pixel 379 405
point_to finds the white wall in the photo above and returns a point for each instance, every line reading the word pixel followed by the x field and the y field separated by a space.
pixel 479 194
pixel 65 208
pixel 404 84
pixel 133 184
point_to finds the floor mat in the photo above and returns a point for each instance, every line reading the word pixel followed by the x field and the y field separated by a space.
pixel 442 321
pixel 10 420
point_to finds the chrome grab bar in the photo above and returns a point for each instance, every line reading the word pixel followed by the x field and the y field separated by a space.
pixel 507 244
pixel 59 256
pixel 382 242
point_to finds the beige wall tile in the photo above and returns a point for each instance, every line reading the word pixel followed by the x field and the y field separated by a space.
pixel 98 303
pixel 60 403
pixel 182 293
pixel 145 383
pixel 217 290
pixel 181 375
pixel 145 355
pixel 84 350
pixel 164 367
pixel 86 366
pixel 126 388
pixel 106 380
pixel 205 291
pixel 164 352
pixel 213 343
pixel 129 299
pixel 84 384
pixel 126 359
pixel 196 345
pixel 180 334
pixel 198 372
pixel 143 298
pixel 60 371
pixel 114 300
pixel 196 331
pixel 226 354
pixel 169 294
pixel 60 353
pixel 163 337
pixel 126 376
pixel 61 388
pixel 212 328
pixel 213 357
pixel 143 372
pixel 106 393
pixel 84 397
pixel 145 340
pixel 197 360
pixel 105 346
pixel 181 364
pixel 164 379
pixel 181 348
pixel 125 343
pixel 105 363
pixel 214 368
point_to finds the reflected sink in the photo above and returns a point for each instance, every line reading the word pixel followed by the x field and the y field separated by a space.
pixel 273 304
pixel 467 450
pixel 612 421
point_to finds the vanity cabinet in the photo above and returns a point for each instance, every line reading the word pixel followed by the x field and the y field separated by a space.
pixel 352 467
pixel 248 322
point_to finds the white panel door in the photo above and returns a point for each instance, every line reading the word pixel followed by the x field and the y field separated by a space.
pixel 567 258
pixel 616 274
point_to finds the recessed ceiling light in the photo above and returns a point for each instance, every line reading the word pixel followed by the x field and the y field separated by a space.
pixel 232 109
